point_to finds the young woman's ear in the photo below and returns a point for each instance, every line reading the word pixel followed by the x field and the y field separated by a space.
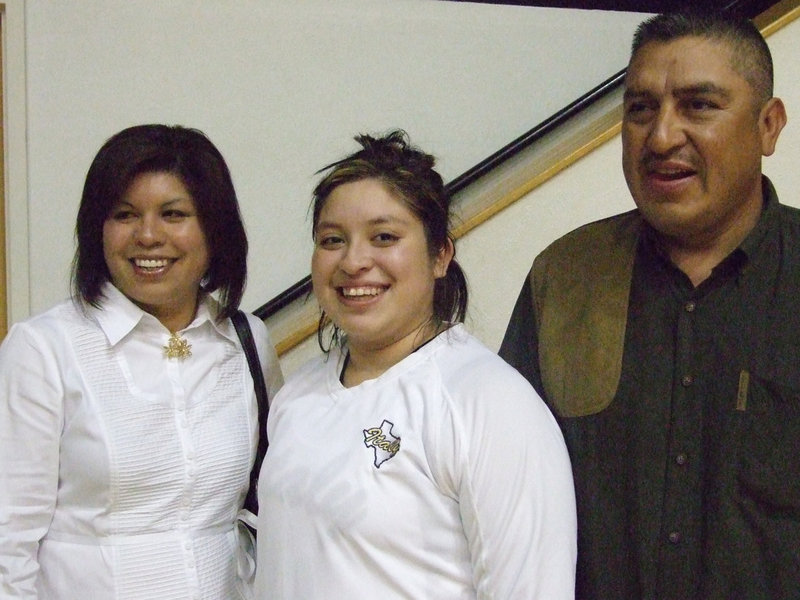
pixel 443 258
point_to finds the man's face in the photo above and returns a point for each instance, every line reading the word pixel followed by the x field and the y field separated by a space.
pixel 692 140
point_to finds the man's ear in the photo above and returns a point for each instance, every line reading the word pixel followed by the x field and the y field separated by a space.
pixel 770 122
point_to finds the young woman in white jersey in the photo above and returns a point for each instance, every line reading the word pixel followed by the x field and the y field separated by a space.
pixel 408 461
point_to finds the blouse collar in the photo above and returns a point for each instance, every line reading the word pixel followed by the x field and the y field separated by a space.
pixel 118 316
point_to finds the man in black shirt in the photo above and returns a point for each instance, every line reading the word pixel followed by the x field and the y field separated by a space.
pixel 667 340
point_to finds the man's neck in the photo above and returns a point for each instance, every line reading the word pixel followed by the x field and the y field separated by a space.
pixel 697 256
pixel 697 266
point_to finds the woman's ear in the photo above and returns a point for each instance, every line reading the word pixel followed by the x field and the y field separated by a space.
pixel 443 258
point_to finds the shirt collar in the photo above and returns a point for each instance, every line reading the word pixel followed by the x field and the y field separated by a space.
pixel 118 316
pixel 769 214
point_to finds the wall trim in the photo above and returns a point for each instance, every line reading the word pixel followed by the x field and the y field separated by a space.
pixel 15 289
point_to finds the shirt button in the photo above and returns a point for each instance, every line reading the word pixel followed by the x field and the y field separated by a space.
pixel 689 306
pixel 687 380
pixel 674 537
pixel 681 459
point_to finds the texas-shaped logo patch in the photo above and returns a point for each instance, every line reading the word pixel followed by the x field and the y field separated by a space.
pixel 382 441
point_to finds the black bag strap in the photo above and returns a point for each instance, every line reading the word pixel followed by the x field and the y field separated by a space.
pixel 242 327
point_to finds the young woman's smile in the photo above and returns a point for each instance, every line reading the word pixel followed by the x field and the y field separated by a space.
pixel 372 270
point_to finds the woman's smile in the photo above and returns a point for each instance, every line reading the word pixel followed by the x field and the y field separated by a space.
pixel 372 270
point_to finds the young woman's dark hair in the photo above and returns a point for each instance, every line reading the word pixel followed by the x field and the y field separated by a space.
pixel 189 155
pixel 409 174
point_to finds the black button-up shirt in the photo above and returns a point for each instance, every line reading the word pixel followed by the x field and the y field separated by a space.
pixel 688 484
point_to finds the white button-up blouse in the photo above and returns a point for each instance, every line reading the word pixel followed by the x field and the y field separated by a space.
pixel 122 471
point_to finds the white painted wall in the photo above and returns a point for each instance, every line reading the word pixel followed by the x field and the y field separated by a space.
pixel 592 189
pixel 281 87
pixel 497 255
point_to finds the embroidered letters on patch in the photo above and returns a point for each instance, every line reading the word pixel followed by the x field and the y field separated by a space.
pixel 382 441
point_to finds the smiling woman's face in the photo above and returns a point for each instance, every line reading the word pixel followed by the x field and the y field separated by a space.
pixel 155 248
pixel 372 270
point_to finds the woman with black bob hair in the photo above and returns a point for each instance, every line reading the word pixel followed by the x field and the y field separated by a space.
pixel 190 156
pixel 128 418
pixel 408 460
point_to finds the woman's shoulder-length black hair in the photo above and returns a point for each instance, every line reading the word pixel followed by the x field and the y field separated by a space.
pixel 189 155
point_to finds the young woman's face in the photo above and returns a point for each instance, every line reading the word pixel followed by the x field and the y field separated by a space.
pixel 372 270
pixel 155 248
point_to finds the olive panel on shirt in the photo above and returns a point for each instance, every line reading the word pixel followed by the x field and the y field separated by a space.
pixel 689 482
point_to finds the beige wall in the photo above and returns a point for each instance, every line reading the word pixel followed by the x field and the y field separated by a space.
pixel 281 87
pixel 497 255
pixel 592 189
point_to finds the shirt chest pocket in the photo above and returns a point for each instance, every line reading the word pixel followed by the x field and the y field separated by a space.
pixel 769 447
